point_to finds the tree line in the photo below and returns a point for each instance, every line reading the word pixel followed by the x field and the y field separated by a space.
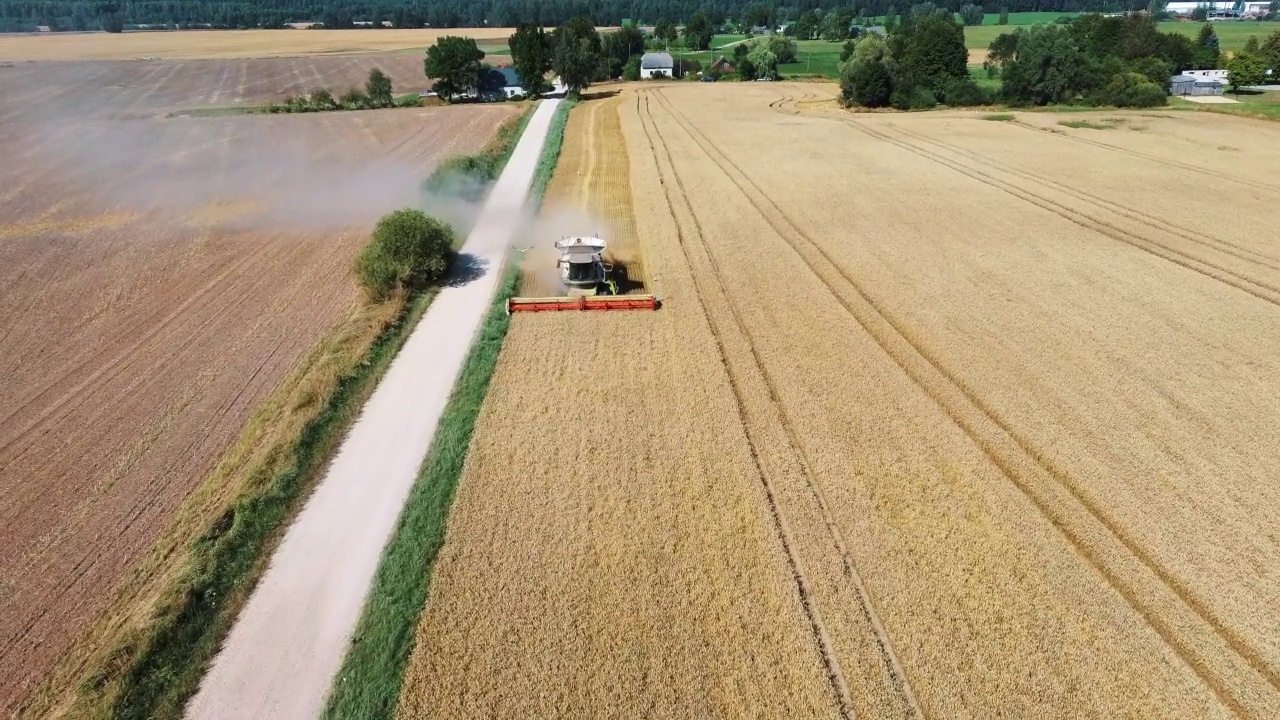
pixel 922 62
pixel 1120 61
pixel 26 15
pixel 575 51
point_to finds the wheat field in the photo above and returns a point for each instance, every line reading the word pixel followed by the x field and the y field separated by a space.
pixel 941 417
pixel 226 44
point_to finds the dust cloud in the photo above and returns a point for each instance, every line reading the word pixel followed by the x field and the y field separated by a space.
pixel 238 173
pixel 535 247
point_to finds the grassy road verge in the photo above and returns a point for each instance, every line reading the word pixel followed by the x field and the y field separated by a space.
pixel 145 656
pixel 367 686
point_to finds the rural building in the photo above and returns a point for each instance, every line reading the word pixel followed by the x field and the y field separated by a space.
pixel 1190 84
pixel 657 65
pixel 1215 75
pixel 1181 84
pixel 1189 8
pixel 500 83
pixel 1207 87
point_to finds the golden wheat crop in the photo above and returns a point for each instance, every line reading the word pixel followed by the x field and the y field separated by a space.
pixel 197 44
pixel 1006 396
pixel 609 552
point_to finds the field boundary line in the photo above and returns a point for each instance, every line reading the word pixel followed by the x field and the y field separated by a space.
pixel 821 636
pixel 892 665
pixel 1147 156
pixel 1267 293
pixel 953 397
pixel 1134 214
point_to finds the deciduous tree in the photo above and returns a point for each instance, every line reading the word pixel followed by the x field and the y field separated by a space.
pixel 454 62
pixel 531 56
pixel 1246 68
pixel 378 89
pixel 698 32
pixel 1208 56
pixel 971 14
pixel 665 30
pixel 578 53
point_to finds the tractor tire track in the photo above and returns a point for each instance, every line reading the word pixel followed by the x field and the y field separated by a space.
pixel 822 640
pixel 1145 584
pixel 1258 289
pixel 1138 216
pixel 1153 158
pixel 892 664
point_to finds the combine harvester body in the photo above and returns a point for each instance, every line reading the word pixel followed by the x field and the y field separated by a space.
pixel 588 280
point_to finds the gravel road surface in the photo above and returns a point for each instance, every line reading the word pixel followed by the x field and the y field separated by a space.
pixel 286 646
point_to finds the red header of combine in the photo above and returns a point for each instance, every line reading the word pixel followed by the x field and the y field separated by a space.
pixel 583 302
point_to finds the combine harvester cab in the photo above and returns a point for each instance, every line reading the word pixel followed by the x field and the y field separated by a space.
pixel 588 281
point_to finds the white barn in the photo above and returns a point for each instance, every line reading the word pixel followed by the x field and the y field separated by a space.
pixel 1187 8
pixel 657 65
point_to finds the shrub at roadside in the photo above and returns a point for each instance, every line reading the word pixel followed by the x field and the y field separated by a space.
pixel 409 250
pixel 377 94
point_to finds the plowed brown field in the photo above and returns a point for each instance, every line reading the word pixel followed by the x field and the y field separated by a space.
pixel 158 277
pixel 941 417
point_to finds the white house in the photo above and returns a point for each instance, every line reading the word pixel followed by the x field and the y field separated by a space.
pixel 657 65
pixel 1188 8
pixel 497 83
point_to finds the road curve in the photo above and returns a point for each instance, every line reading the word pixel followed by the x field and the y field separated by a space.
pixel 289 641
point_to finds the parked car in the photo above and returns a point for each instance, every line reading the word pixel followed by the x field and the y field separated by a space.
pixel 710 78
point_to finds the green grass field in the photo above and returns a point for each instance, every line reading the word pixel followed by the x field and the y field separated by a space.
pixel 1264 105
pixel 1231 35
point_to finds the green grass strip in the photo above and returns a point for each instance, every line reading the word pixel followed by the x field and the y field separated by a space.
pixel 166 669
pixel 367 687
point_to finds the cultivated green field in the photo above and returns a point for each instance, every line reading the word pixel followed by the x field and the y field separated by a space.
pixel 1231 35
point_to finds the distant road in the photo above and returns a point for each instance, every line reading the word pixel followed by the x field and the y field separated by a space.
pixel 289 641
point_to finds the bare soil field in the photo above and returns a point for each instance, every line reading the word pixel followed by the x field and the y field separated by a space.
pixel 227 44
pixel 158 277
pixel 959 418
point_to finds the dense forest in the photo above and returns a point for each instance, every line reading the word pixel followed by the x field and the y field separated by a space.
pixel 26 15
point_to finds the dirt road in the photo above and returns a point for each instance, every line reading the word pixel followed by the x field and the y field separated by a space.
pixel 281 656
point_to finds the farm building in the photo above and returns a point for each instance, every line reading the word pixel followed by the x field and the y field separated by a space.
pixel 657 65
pixel 1188 8
pixel 1214 75
pixel 1207 87
pixel 500 83
pixel 1181 84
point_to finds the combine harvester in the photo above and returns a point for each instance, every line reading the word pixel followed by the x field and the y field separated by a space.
pixel 589 280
